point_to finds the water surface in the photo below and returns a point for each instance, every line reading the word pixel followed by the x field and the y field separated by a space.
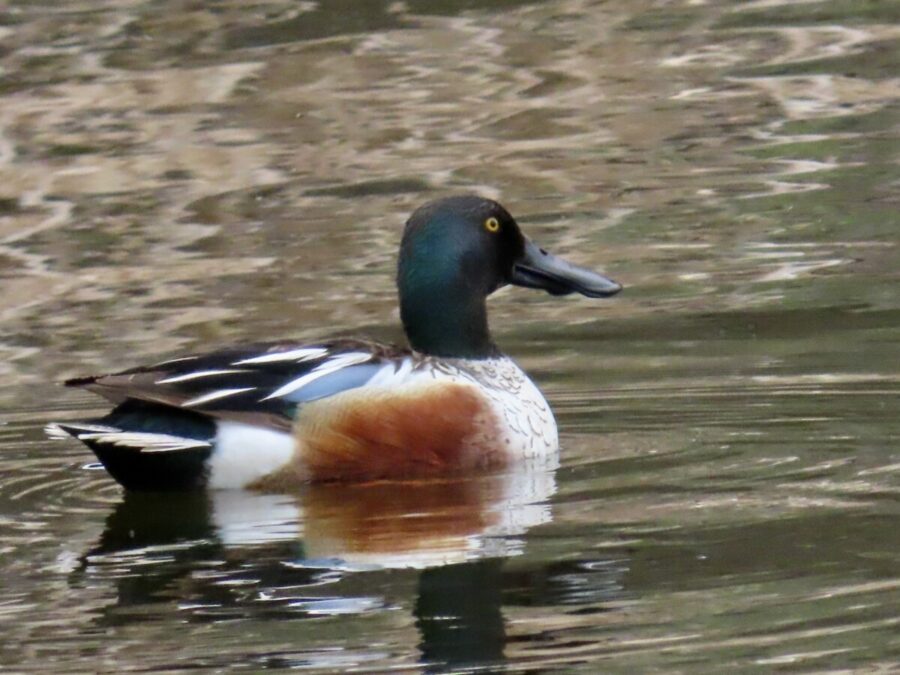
pixel 179 176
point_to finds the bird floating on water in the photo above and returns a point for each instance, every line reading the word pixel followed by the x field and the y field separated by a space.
pixel 276 415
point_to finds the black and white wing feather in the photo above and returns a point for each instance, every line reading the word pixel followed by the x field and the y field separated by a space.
pixel 261 384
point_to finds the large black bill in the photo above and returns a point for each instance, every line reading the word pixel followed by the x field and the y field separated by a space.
pixel 539 269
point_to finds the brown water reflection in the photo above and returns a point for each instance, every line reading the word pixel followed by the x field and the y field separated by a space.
pixel 181 175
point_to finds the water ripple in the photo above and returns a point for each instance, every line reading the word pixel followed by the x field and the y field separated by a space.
pixel 173 178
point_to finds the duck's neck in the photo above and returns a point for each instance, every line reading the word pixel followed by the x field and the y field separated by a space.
pixel 445 321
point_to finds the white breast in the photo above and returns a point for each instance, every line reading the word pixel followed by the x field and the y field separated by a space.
pixel 528 424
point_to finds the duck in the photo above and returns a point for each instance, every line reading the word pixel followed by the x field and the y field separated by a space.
pixel 274 416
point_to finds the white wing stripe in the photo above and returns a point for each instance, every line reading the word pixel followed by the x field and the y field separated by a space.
pixel 405 369
pixel 198 374
pixel 392 374
pixel 298 355
pixel 330 366
pixel 214 395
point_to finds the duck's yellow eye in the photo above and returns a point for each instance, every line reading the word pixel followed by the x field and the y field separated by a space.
pixel 492 224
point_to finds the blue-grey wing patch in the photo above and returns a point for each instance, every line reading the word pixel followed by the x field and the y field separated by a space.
pixel 334 382
pixel 329 366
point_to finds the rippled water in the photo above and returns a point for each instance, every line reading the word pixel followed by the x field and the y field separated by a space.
pixel 178 175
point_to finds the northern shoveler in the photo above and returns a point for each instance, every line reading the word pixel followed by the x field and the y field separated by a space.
pixel 274 415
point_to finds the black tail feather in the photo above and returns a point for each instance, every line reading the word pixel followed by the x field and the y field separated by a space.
pixel 173 458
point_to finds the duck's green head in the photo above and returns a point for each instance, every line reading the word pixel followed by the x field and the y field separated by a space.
pixel 457 251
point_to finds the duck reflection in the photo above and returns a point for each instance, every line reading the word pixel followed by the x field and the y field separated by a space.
pixel 436 547
pixel 394 524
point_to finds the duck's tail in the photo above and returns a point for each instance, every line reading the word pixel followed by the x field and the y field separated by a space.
pixel 147 446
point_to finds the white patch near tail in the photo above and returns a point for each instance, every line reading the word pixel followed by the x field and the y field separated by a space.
pixel 245 453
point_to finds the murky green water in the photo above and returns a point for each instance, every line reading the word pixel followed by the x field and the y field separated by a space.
pixel 178 175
